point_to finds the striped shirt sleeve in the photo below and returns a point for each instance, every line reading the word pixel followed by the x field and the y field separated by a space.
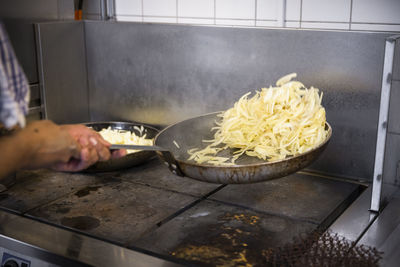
pixel 14 88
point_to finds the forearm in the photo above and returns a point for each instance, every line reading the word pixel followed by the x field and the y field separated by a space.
pixel 15 153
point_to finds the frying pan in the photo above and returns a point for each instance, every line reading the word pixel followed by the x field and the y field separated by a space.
pixel 129 160
pixel 190 133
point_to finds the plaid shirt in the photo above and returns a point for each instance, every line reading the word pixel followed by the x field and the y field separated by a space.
pixel 14 88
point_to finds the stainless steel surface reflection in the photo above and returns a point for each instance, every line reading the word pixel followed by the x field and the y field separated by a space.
pixel 384 233
pixel 65 248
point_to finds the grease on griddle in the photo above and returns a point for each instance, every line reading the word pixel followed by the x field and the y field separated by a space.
pixel 86 191
pixel 80 222
pixel 231 242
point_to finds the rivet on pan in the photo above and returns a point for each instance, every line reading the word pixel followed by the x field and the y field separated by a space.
pixel 173 171
pixel 166 163
pixel 173 166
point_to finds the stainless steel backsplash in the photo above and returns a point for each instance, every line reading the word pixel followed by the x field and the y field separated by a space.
pixel 160 74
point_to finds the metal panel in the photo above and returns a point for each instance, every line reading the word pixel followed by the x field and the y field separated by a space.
pixel 352 223
pixel 215 234
pixel 66 248
pixel 20 15
pixel 391 170
pixel 66 9
pixel 384 234
pixel 161 74
pixel 35 92
pixel 394 111
pixel 29 9
pixel 38 9
pixel 63 75
pixel 357 218
pixel 92 17
pixel 92 7
pixel 297 196
pixel 396 67
pixel 34 114
pixel 22 37
pixel 382 124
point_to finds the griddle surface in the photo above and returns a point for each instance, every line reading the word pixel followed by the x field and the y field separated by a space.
pixel 150 208
pixel 213 233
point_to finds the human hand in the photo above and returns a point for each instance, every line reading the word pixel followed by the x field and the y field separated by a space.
pixel 47 144
pixel 93 148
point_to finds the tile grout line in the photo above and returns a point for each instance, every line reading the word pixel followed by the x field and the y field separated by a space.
pixel 142 11
pixel 203 18
pixel 301 13
pixel 176 3
pixel 351 14
pixel 255 14
pixel 271 20
pixel 215 12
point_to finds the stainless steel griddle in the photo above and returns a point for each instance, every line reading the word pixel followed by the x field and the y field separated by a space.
pixel 148 209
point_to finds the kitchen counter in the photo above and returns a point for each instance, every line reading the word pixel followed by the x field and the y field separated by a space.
pixel 147 208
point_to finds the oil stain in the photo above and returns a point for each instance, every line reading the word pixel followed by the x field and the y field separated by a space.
pixel 80 222
pixel 63 210
pixel 235 239
pixel 86 191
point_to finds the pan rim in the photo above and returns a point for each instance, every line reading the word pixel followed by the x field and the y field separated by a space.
pixel 123 122
pixel 234 167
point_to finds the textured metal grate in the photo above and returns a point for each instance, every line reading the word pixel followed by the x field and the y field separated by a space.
pixel 325 249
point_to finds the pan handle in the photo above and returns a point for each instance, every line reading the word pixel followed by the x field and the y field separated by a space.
pixel 165 154
pixel 171 162
pixel 137 147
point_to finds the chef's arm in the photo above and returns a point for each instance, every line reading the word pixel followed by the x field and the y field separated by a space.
pixel 41 144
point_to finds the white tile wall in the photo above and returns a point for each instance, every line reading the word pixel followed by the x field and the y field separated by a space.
pixel 160 19
pixel 196 8
pixel 293 10
pixel 128 7
pixel 198 21
pixel 158 8
pixel 326 10
pixel 130 18
pixel 373 11
pixel 369 15
pixel 235 22
pixel 267 9
pixel 235 9
pixel 267 23
pixel 376 27
pixel 292 24
pixel 325 25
